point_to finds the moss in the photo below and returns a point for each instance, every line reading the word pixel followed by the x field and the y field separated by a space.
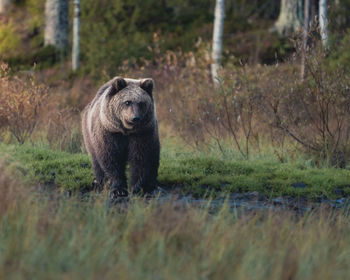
pixel 268 177
pixel 60 169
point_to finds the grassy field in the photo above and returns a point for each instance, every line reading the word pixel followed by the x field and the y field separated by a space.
pixel 263 198
pixel 52 237
pixel 192 171
pixel 47 235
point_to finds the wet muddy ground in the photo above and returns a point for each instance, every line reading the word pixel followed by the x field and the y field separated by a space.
pixel 240 202
pixel 248 202
pixel 253 201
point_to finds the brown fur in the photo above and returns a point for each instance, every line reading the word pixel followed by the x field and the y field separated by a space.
pixel 120 126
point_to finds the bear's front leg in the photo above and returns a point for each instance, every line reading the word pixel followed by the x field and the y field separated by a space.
pixel 115 171
pixel 113 162
pixel 118 189
pixel 99 174
pixel 144 153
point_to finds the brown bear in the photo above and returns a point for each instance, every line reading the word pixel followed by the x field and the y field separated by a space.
pixel 120 126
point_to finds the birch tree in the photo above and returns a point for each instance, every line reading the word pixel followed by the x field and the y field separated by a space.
pixel 76 36
pixel 57 26
pixel 323 22
pixel 217 38
pixel 305 36
pixel 290 18
pixel 3 5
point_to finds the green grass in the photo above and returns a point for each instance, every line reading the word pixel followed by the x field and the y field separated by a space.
pixel 50 167
pixel 194 171
pixel 267 177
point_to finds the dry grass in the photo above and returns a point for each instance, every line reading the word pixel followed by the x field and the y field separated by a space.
pixel 52 237
pixel 21 103
pixel 12 192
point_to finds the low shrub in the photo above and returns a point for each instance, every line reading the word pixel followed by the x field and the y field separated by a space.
pixel 21 103
pixel 314 112
pixel 63 131
pixel 254 103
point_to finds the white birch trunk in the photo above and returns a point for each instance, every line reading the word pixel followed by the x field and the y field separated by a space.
pixel 290 18
pixel 323 22
pixel 3 5
pixel 76 36
pixel 57 26
pixel 217 39
pixel 305 36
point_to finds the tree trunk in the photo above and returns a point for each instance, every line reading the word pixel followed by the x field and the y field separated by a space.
pixel 290 18
pixel 57 26
pixel 217 39
pixel 323 22
pixel 76 36
pixel 305 36
pixel 3 5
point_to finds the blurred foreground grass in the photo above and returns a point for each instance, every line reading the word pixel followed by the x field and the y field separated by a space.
pixel 52 237
pixel 199 173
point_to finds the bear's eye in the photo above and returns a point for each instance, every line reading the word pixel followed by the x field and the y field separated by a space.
pixel 127 103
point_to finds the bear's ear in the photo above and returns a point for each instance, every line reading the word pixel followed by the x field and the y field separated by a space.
pixel 118 84
pixel 147 85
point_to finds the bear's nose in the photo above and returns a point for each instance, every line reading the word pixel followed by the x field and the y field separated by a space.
pixel 136 119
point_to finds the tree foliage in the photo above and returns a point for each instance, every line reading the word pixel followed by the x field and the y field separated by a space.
pixel 9 40
pixel 113 31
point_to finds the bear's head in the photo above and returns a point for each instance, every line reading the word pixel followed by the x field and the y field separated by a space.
pixel 128 105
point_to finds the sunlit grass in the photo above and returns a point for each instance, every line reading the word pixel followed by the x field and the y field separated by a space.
pixel 191 170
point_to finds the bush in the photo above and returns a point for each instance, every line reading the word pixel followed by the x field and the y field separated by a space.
pixel 315 112
pixel 269 102
pixel 63 131
pixel 21 103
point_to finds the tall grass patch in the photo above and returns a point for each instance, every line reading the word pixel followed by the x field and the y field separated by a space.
pixel 55 237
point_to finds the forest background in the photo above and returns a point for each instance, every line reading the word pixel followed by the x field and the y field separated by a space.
pixel 282 89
